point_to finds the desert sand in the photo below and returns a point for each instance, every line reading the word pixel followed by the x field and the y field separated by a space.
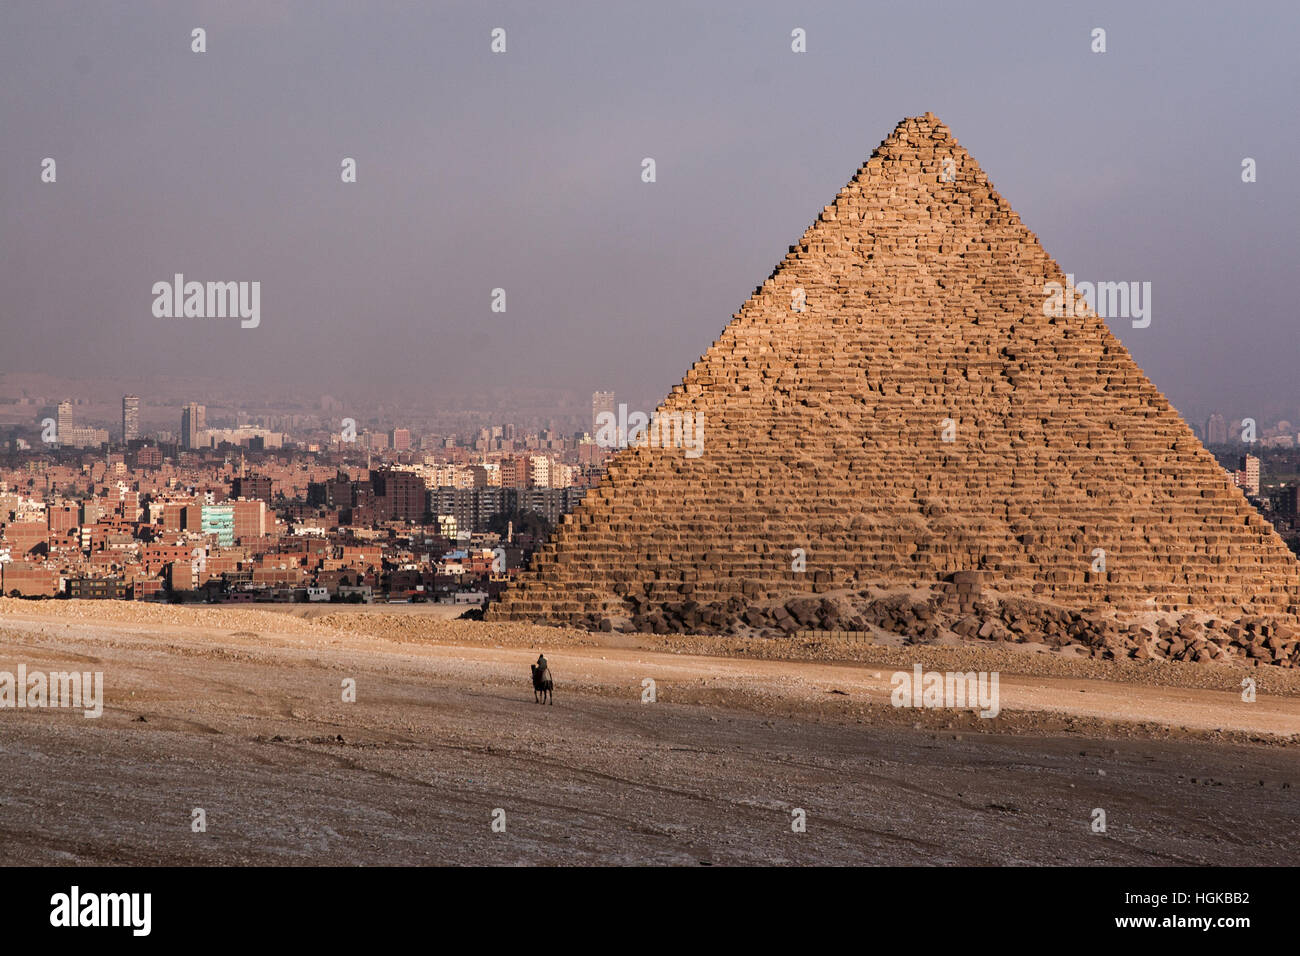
pixel 240 712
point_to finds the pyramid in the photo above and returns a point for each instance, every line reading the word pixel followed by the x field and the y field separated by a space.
pixel 894 404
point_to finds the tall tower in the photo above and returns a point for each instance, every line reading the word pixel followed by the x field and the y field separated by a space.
pixel 130 418
pixel 64 423
pixel 1216 430
pixel 600 402
pixel 192 424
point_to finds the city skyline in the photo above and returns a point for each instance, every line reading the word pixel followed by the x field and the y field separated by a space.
pixel 1276 430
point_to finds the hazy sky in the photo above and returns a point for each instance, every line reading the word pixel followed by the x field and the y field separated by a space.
pixel 522 170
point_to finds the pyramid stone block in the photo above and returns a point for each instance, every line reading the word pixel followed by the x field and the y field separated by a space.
pixel 895 402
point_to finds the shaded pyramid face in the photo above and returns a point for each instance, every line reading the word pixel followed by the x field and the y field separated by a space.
pixel 893 405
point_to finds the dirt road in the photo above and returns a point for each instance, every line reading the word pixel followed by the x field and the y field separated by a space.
pixel 250 725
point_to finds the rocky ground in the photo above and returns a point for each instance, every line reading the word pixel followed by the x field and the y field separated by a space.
pixel 962 609
pixel 240 712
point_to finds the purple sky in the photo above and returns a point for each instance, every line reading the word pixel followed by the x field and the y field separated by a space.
pixel 522 171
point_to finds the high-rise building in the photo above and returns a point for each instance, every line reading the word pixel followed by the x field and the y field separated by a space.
pixel 515 472
pixel 72 435
pixel 130 418
pixel 601 402
pixel 193 423
pixel 1248 475
pixel 400 439
pixel 404 494
pixel 64 422
pixel 539 472
pixel 1216 430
